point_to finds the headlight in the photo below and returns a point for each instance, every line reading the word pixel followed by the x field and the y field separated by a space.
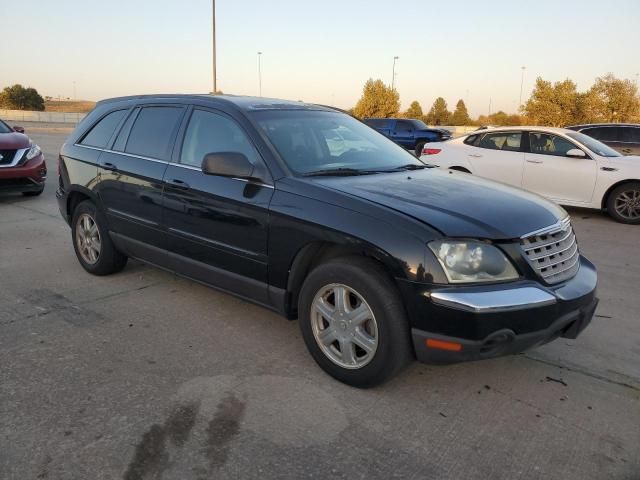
pixel 33 152
pixel 465 261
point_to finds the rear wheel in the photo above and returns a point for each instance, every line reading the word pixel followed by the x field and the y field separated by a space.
pixel 623 203
pixel 353 322
pixel 92 243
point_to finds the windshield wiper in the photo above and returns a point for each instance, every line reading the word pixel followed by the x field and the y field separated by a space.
pixel 408 166
pixel 344 172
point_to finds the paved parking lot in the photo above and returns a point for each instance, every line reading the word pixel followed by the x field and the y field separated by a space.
pixel 143 375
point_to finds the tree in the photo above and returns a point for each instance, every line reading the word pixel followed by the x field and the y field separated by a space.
pixel 439 115
pixel 414 111
pixel 614 99
pixel 553 105
pixel 17 97
pixel 377 100
pixel 460 115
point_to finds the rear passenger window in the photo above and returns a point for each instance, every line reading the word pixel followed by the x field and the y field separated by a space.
pixel 153 132
pixel 508 141
pixel 213 133
pixel 101 132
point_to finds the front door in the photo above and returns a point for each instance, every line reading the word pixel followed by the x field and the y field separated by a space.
pixel 217 226
pixel 498 156
pixel 549 172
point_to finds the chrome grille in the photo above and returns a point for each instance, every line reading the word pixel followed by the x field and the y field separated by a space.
pixel 553 252
pixel 6 156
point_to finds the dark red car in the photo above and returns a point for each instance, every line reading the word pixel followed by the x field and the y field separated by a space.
pixel 22 166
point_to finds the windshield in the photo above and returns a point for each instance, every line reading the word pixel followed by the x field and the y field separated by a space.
pixel 594 145
pixel 419 125
pixel 320 141
pixel 4 128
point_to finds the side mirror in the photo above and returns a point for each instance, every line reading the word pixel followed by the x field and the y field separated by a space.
pixel 18 129
pixel 576 153
pixel 227 164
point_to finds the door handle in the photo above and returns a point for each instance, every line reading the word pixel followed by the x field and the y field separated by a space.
pixel 176 183
pixel 109 166
pixel 534 161
pixel 475 155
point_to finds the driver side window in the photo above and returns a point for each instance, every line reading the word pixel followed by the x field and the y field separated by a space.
pixel 547 144
pixel 210 132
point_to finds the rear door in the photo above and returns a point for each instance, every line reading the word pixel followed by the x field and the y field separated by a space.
pixel 131 173
pixel 498 156
pixel 217 226
pixel 549 172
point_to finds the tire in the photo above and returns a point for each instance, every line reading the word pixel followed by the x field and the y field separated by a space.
pixel 367 286
pixel 419 147
pixel 33 193
pixel 106 260
pixel 623 203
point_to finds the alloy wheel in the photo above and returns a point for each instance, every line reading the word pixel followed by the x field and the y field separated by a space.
pixel 344 326
pixel 88 239
pixel 627 204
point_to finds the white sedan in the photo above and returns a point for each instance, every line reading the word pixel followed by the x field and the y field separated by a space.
pixel 565 166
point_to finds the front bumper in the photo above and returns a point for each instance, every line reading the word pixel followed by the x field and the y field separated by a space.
pixel 454 323
pixel 24 178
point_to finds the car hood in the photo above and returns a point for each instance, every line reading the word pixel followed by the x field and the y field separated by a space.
pixel 455 203
pixel 13 141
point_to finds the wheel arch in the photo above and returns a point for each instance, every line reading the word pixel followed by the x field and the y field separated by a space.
pixel 605 197
pixel 460 169
pixel 318 252
pixel 78 194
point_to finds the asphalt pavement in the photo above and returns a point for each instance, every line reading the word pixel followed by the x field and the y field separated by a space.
pixel 144 375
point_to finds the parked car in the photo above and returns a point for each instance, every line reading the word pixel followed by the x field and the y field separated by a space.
pixel 22 165
pixel 378 257
pixel 566 166
pixel 623 137
pixel 408 133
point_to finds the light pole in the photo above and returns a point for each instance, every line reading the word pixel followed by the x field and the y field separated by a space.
pixel 259 75
pixel 74 90
pixel 213 18
pixel 521 85
pixel 393 75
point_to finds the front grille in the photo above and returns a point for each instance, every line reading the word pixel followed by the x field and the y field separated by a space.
pixel 553 252
pixel 6 156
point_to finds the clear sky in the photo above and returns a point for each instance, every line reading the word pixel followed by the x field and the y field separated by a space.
pixel 319 51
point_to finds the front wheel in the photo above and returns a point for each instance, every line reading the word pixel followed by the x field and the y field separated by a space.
pixel 419 148
pixel 623 203
pixel 353 322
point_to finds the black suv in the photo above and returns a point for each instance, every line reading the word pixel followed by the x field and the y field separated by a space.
pixel 309 212
pixel 623 137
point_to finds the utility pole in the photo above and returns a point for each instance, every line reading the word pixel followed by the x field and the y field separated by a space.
pixel 393 75
pixel 259 75
pixel 213 17
pixel 489 106
pixel 521 85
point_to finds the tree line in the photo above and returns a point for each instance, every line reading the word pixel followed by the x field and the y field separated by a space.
pixel 609 100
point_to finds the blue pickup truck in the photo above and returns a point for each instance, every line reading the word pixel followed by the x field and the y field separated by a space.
pixel 410 133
